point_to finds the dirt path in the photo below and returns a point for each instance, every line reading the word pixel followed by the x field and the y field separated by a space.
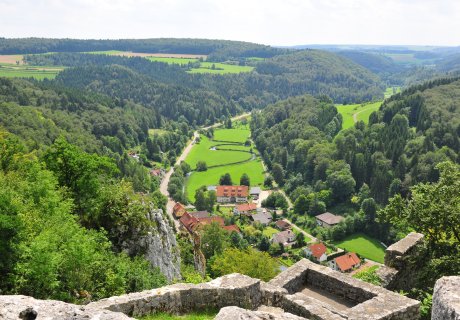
pixel 182 157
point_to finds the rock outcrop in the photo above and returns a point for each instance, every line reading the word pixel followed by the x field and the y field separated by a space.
pixel 446 299
pixel 158 245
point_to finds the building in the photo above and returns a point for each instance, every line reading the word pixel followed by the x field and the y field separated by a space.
pixel 200 214
pixel 287 238
pixel 317 251
pixel 232 228
pixel 255 192
pixel 179 210
pixel 189 222
pixel 211 188
pixel 232 194
pixel 282 225
pixel 157 173
pixel 263 218
pixel 245 209
pixel 346 262
pixel 328 219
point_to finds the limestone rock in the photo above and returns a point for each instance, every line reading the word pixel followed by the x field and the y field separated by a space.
pixel 446 299
pixel 235 313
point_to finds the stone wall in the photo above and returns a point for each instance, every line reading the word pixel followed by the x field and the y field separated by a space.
pixel 446 299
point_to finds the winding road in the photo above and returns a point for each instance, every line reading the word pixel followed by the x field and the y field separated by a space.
pixel 182 157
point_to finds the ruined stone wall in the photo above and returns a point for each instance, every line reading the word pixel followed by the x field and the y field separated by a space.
pixel 446 299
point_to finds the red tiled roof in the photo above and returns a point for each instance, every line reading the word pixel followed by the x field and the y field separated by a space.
pixel 246 207
pixel 189 222
pixel 329 218
pixel 317 250
pixel 347 261
pixel 232 228
pixel 179 210
pixel 209 220
pixel 282 224
pixel 178 206
pixel 232 191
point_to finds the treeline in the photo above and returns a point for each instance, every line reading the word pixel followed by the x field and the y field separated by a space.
pixel 309 71
pixel 63 219
pixel 401 146
pixel 218 50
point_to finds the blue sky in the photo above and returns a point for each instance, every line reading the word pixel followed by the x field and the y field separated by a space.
pixel 285 22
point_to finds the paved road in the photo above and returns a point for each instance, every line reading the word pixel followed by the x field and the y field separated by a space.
pixel 182 157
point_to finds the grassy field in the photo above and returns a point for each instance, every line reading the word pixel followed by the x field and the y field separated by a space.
pixel 363 245
pixel 204 315
pixel 220 68
pixel 362 112
pixel 224 158
pixel 391 91
pixel 269 232
pixel 181 61
pixel 23 71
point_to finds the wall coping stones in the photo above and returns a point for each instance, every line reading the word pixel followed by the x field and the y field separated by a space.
pixel 446 299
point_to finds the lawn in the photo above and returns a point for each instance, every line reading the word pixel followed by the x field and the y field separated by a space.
pixel 203 315
pixel 391 91
pixel 181 61
pixel 362 112
pixel 269 232
pixel 24 71
pixel 363 245
pixel 220 68
pixel 232 135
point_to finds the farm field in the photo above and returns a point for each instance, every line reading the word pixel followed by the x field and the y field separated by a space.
pixel 23 71
pixel 359 111
pixel 220 68
pixel 169 60
pixel 363 245
pixel 230 148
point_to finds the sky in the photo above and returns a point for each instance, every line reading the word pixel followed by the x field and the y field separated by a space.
pixel 272 22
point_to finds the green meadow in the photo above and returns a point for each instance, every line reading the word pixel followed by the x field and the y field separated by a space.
pixel 391 91
pixel 24 71
pixel 362 112
pixel 363 245
pixel 220 68
pixel 181 61
pixel 225 153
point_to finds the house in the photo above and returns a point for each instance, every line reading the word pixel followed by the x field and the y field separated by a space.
pixel 287 238
pixel 178 210
pixel 232 194
pixel 189 222
pixel 317 251
pixel 208 220
pixel 232 228
pixel 200 214
pixel 255 192
pixel 263 218
pixel 245 208
pixel 133 155
pixel 282 225
pixel 328 219
pixel 346 262
pixel 157 173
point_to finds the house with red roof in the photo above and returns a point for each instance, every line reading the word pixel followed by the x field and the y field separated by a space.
pixel 232 228
pixel 189 222
pixel 193 223
pixel 245 209
pixel 317 251
pixel 179 210
pixel 346 262
pixel 282 225
pixel 232 194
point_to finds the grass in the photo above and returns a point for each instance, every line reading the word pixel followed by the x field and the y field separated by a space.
pixel 181 61
pixel 232 135
pixel 362 112
pixel 269 232
pixel 220 68
pixel 24 71
pixel 391 91
pixel 203 315
pixel 363 245
pixel 157 131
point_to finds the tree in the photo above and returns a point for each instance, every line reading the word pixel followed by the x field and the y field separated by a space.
pixel 244 180
pixel 201 166
pixel 369 207
pixel 341 183
pixel 226 180
pixel 275 200
pixel 268 181
pixel 250 262
pixel 301 205
pixel 200 200
pixel 211 200
pixel 214 240
pixel 278 173
pixel 228 123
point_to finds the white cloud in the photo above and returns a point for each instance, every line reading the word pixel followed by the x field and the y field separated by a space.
pixel 286 22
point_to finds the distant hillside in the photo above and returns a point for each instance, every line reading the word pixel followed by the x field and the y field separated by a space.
pixel 451 63
pixel 376 63
pixel 217 49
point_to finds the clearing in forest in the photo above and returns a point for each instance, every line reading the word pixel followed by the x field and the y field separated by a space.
pixel 226 152
pixel 220 68
pixel 25 71
pixel 352 113
pixel 363 245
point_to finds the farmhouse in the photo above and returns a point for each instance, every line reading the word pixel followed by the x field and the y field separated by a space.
pixel 287 238
pixel 245 208
pixel 345 263
pixel 192 223
pixel 328 219
pixel 232 194
pixel 255 192
pixel 179 210
pixel 317 251
pixel 263 218
pixel 282 225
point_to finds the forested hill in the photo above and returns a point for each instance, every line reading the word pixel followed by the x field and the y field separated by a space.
pixel 309 71
pixel 401 146
pixel 377 63
pixel 218 50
